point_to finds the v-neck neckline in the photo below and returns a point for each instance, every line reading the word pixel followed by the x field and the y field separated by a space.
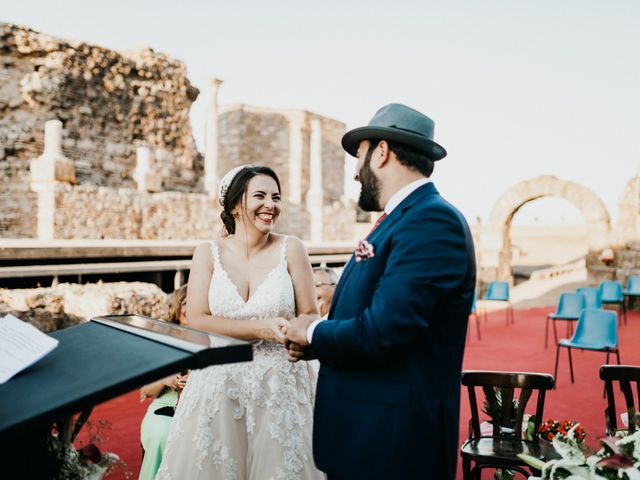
pixel 262 282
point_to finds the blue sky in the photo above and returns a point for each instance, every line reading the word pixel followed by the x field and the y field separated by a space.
pixel 516 88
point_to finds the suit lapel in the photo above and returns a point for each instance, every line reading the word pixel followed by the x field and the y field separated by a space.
pixel 383 228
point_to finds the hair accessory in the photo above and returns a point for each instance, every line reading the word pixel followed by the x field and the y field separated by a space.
pixel 227 179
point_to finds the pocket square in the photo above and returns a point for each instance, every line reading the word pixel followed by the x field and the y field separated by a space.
pixel 364 251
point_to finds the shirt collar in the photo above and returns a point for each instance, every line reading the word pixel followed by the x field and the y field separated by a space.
pixel 397 198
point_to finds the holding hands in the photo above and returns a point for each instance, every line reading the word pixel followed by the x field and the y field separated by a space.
pixel 272 329
pixel 296 338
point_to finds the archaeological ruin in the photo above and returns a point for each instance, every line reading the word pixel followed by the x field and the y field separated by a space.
pixel 97 145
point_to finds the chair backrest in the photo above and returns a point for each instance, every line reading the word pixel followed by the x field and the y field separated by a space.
pixel 499 392
pixel 611 291
pixel 633 284
pixel 591 295
pixel 571 304
pixel 596 328
pixel 625 375
pixel 498 290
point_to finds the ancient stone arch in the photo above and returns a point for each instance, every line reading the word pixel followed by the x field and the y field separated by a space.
pixel 495 239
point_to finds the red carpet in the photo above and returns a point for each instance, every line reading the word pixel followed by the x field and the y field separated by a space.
pixel 518 347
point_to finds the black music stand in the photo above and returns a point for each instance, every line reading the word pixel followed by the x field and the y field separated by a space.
pixel 94 362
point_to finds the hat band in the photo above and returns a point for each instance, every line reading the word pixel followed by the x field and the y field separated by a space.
pixel 407 130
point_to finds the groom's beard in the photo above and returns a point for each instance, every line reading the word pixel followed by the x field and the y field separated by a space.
pixel 369 200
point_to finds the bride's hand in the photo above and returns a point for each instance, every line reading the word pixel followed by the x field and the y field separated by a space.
pixel 273 329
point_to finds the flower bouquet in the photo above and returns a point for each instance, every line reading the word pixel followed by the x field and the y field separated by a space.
pixel 618 459
pixel 550 428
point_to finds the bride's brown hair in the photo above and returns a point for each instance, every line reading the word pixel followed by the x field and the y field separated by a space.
pixel 237 188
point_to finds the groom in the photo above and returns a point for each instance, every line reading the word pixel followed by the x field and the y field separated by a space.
pixel 388 393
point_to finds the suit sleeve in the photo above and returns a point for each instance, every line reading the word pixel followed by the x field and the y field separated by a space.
pixel 427 262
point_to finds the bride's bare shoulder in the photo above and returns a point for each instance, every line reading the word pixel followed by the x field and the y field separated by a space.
pixel 295 246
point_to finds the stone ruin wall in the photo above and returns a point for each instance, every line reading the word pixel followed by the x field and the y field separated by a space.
pixel 52 308
pixel 109 102
pixel 90 212
pixel 245 137
pixel 263 137
pixel 625 241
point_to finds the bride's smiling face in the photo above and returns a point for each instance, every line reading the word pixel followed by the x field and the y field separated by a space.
pixel 261 203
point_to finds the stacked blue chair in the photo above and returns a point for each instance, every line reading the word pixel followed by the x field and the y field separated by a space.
pixel 498 291
pixel 597 331
pixel 633 289
pixel 569 308
pixel 592 296
pixel 611 294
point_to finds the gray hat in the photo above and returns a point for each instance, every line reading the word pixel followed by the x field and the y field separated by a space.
pixel 397 123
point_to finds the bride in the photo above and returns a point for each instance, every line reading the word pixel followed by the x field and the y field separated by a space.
pixel 247 420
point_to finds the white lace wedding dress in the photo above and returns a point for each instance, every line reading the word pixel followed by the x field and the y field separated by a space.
pixel 246 420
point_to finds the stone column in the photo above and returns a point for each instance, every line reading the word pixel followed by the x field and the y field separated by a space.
pixel 143 174
pixel 48 169
pixel 211 178
pixel 315 198
pixel 296 149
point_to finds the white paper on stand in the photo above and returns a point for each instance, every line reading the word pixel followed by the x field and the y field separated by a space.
pixel 21 345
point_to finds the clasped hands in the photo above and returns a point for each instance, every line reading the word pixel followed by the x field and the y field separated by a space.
pixel 293 334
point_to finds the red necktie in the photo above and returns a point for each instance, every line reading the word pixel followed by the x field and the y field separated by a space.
pixel 378 222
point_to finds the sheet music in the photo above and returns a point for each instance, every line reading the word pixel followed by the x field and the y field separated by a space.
pixel 21 345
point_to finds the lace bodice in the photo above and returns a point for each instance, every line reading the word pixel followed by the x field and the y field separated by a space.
pixel 273 298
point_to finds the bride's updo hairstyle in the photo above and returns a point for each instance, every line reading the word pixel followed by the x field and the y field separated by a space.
pixel 233 186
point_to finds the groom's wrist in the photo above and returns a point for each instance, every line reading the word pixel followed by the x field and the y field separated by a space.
pixel 311 328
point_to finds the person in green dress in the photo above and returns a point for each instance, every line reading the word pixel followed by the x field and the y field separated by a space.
pixel 165 392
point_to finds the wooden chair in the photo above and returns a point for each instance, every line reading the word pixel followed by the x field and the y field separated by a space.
pixel 500 449
pixel 625 375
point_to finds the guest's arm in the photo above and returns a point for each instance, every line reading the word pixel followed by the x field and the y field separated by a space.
pixel 199 316
pixel 152 390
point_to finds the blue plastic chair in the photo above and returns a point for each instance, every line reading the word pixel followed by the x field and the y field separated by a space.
pixel 633 286
pixel 611 294
pixel 498 291
pixel 591 295
pixel 569 307
pixel 474 313
pixel 633 290
pixel 596 330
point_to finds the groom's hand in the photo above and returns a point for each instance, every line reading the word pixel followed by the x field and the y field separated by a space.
pixel 297 352
pixel 296 338
pixel 296 331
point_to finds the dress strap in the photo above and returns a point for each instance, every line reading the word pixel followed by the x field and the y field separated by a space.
pixel 283 250
pixel 214 252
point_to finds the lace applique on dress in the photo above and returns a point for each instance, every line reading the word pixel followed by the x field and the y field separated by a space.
pixel 246 420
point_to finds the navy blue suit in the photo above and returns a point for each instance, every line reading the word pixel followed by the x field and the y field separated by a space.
pixel 387 403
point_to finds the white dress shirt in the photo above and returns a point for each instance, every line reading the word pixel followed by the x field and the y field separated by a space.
pixel 395 200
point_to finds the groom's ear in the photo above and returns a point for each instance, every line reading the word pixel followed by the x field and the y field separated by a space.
pixel 382 154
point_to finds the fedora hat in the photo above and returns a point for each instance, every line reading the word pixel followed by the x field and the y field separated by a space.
pixel 397 123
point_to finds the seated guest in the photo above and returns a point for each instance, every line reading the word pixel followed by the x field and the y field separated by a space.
pixel 326 281
pixel 165 392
